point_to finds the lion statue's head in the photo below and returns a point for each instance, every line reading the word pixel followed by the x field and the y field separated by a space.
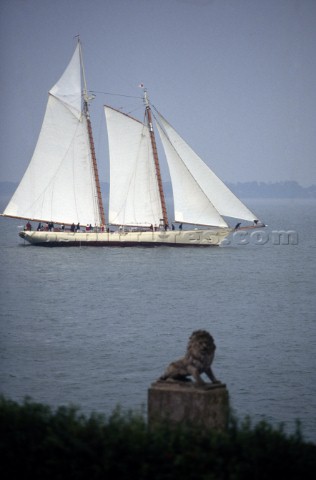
pixel 201 348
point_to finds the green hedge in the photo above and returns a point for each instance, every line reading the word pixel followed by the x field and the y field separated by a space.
pixel 39 443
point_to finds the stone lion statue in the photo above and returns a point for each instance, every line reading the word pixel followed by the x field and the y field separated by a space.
pixel 197 360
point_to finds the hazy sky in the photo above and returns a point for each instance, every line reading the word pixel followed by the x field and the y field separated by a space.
pixel 236 78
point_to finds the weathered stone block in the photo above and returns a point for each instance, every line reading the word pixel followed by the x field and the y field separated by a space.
pixel 205 406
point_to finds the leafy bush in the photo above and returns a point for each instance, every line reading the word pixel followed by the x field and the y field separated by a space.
pixel 39 443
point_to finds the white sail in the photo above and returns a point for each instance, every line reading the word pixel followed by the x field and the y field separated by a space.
pixel 134 196
pixel 199 195
pixel 59 184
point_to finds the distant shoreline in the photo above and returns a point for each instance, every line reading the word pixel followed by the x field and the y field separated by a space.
pixel 277 190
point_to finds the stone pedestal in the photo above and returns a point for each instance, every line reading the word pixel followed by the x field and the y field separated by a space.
pixel 205 406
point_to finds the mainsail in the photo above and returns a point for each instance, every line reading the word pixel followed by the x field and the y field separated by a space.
pixel 200 197
pixel 134 195
pixel 59 184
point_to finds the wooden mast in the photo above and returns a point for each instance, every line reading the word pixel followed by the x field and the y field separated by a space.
pixel 156 159
pixel 91 142
pixel 95 167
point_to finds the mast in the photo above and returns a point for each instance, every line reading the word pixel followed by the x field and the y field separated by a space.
pixel 155 154
pixel 86 99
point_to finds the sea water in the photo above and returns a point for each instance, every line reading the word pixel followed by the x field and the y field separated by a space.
pixel 94 327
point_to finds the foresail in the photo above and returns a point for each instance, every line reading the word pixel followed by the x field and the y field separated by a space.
pixel 59 184
pixel 191 176
pixel 134 196
pixel 191 205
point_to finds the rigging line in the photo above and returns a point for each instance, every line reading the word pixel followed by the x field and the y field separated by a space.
pixel 134 110
pixel 115 94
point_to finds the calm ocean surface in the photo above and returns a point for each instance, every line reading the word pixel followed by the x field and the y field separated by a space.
pixel 95 327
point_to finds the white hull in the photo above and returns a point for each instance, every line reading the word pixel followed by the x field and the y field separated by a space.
pixel 176 238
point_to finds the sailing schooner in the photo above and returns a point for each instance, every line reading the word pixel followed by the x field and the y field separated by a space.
pixel 61 186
